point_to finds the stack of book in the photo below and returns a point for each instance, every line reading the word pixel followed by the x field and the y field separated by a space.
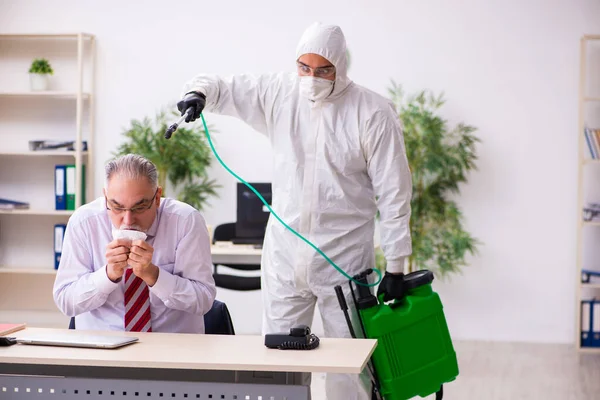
pixel 6 204
pixel 590 276
pixel 6 329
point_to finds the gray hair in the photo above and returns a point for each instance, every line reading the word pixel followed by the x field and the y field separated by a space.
pixel 131 166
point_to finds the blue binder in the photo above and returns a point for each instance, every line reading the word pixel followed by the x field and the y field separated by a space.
pixel 586 327
pixel 595 323
pixel 59 235
pixel 590 323
pixel 60 185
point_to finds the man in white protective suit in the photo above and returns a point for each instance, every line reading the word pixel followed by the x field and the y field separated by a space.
pixel 339 156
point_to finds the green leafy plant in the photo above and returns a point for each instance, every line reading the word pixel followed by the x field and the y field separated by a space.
pixel 440 158
pixel 40 66
pixel 183 160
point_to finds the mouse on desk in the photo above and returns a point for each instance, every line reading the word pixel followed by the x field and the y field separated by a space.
pixel 7 341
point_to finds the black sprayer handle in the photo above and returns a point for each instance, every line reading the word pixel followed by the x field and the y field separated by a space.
pixel 341 298
pixel 174 127
pixel 344 307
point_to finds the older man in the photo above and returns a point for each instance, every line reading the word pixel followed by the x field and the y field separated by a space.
pixel 134 261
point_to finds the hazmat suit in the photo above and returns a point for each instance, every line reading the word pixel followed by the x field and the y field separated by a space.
pixel 338 158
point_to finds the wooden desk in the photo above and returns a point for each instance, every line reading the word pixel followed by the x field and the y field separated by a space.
pixel 173 366
pixel 229 253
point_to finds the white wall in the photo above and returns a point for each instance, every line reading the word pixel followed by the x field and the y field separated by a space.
pixel 508 67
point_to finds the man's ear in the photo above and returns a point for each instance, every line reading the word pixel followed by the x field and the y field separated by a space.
pixel 158 195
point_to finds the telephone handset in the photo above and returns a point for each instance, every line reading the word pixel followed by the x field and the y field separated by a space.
pixel 300 331
pixel 299 338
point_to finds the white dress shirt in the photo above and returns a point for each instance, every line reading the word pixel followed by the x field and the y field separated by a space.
pixel 185 288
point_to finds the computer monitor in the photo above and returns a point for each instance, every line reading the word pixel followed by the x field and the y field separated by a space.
pixel 252 214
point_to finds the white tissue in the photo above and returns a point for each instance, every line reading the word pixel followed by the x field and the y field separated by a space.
pixel 128 234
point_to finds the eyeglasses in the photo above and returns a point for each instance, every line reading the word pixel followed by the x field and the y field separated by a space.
pixel 139 209
pixel 321 72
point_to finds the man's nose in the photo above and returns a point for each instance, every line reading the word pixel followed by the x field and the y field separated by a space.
pixel 128 217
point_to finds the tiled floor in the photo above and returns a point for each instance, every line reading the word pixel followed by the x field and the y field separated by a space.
pixel 516 371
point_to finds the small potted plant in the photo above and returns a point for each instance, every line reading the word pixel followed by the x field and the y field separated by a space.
pixel 39 74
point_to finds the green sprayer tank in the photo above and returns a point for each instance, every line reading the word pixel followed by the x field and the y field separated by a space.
pixel 414 354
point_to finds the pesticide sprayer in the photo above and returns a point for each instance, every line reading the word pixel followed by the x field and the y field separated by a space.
pixel 414 354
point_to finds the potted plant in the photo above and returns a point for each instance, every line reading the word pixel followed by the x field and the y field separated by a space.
pixel 440 159
pixel 39 74
pixel 181 161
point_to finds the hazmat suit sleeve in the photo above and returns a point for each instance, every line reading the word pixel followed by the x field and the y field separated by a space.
pixel 247 97
pixel 392 183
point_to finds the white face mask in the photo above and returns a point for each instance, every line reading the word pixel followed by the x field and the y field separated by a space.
pixel 315 89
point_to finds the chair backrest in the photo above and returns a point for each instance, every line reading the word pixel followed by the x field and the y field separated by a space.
pixel 217 321
pixel 234 282
pixel 224 232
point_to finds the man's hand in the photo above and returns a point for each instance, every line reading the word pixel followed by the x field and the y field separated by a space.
pixel 117 252
pixel 140 259
pixel 391 286
pixel 196 100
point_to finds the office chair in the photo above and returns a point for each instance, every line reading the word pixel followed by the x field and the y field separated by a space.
pixel 217 321
pixel 226 233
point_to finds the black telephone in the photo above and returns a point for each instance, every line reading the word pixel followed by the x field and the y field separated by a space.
pixel 299 338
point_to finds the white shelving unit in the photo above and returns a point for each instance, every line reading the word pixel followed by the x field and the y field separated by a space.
pixel 588 232
pixel 26 271
pixel 65 112
pixel 66 95
pixel 41 153
pixel 64 213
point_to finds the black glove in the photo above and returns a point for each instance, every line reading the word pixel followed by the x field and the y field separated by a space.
pixel 196 101
pixel 391 286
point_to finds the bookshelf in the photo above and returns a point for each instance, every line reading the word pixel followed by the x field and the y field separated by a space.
pixel 64 112
pixel 588 231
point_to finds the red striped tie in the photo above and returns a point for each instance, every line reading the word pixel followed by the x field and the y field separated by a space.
pixel 137 304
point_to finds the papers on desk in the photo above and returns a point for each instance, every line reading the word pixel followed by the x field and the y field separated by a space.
pixel 229 253
pixel 232 246
pixel 7 329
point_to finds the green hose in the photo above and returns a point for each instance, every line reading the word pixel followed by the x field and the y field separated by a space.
pixel 280 220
